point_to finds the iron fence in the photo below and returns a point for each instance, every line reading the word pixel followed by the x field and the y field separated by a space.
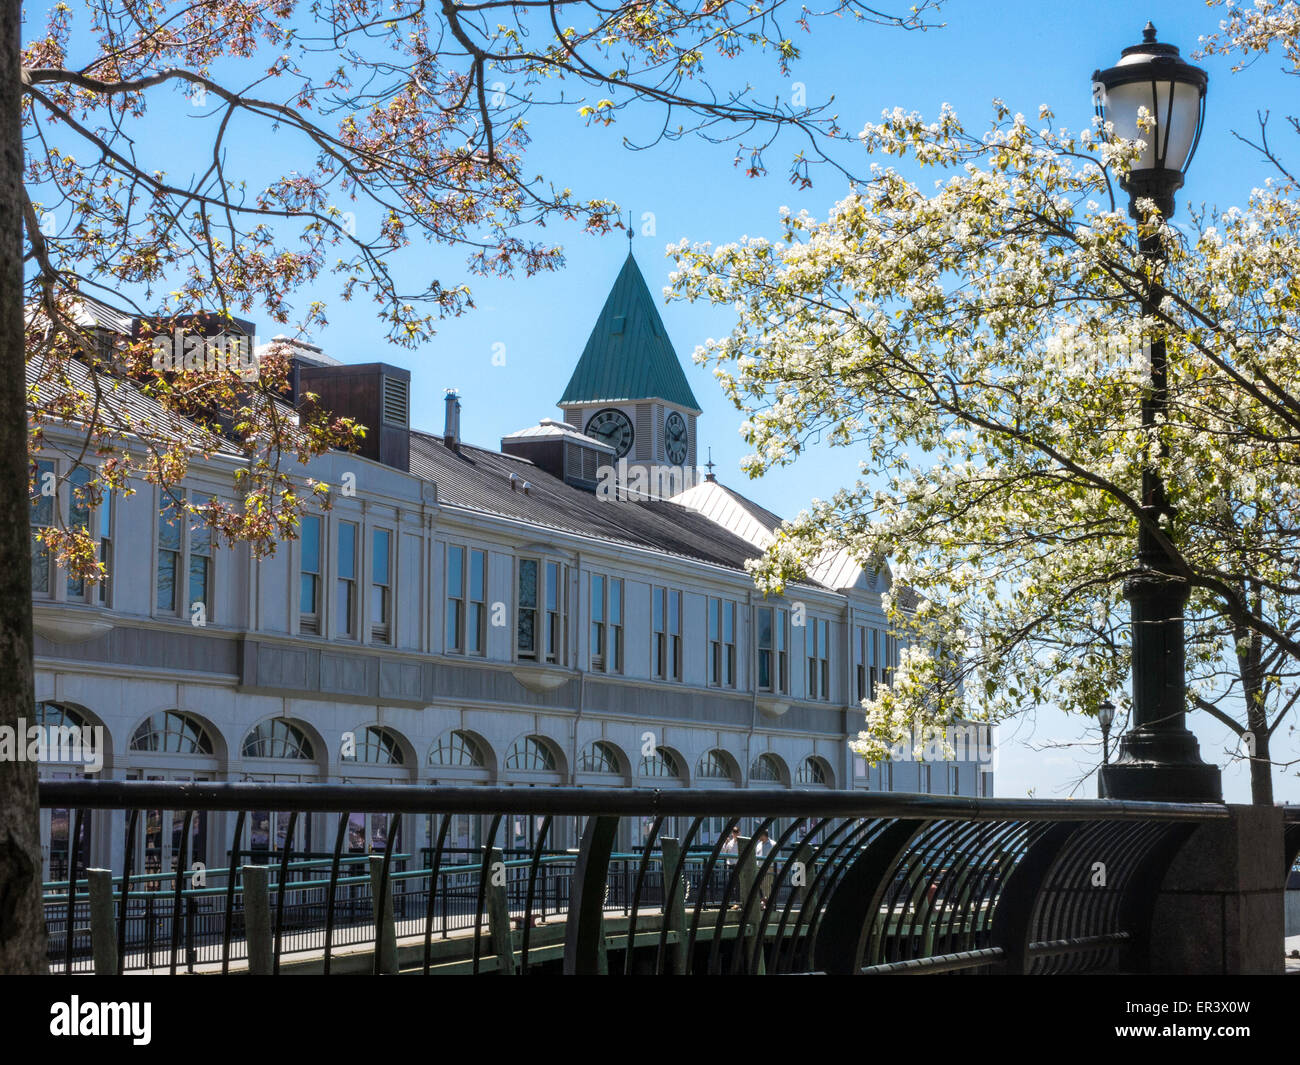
pixel 853 882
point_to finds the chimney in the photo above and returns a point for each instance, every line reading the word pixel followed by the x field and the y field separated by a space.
pixel 451 430
pixel 376 394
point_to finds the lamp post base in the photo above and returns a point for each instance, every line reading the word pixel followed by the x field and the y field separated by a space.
pixel 1160 766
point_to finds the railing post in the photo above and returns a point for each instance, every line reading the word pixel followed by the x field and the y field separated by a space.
pixel 584 936
pixel 747 873
pixel 1227 882
pixel 257 918
pixel 191 913
pixel 381 894
pixel 1015 906
pixel 500 934
pixel 853 908
pixel 674 906
pixel 103 930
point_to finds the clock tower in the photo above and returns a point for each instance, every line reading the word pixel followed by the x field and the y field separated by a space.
pixel 628 389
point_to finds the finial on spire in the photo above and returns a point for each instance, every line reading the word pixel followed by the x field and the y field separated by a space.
pixel 629 232
pixel 709 466
pixel 1148 33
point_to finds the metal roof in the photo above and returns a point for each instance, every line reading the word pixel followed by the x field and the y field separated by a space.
pixel 550 429
pixel 121 406
pixel 628 355
pixel 480 480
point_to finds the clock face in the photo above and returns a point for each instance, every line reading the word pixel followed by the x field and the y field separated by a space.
pixel 612 427
pixel 675 438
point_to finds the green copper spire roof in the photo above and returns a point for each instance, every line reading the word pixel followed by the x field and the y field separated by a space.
pixel 628 355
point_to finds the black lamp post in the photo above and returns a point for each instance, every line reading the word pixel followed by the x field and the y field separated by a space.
pixel 1105 718
pixel 1158 758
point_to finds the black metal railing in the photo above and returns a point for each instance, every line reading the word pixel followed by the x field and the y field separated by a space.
pixel 853 882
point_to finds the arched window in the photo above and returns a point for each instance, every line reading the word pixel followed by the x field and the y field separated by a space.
pixel 598 757
pixel 531 753
pixel 714 765
pixel 457 749
pixel 379 746
pixel 278 738
pixel 812 771
pixel 172 732
pixel 660 764
pixel 765 769
pixel 56 715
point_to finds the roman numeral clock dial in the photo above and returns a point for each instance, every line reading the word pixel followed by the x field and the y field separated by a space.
pixel 675 438
pixel 612 427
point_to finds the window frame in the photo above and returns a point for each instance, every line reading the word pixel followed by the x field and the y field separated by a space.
pixel 453 628
pixel 777 650
pixel 550 630
pixel 721 614
pixel 185 553
pixel 666 641
pixel 311 622
pixel 100 523
pixel 347 627
pixel 817 645
pixel 383 627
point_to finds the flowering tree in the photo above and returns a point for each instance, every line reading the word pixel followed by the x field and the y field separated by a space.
pixel 982 344
pixel 411 123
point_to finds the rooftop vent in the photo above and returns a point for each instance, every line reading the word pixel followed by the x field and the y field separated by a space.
pixel 397 401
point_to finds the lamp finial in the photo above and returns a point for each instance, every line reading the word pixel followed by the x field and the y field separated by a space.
pixel 1149 33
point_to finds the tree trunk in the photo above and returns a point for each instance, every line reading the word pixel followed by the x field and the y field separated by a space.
pixel 22 926
pixel 1252 688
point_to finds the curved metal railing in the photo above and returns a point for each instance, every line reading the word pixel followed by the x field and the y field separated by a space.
pixel 853 883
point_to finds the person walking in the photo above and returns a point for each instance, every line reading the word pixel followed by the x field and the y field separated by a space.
pixel 763 846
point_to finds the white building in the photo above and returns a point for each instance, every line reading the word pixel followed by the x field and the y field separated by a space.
pixel 470 615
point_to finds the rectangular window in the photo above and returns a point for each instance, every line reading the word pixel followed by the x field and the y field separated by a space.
pixel 722 643
pixel 309 606
pixel 42 518
pixel 345 605
pixel 476 625
pixel 675 634
pixel 773 625
pixel 819 670
pixel 715 641
pixel 597 636
pixel 729 643
pixel 455 599
pixel 614 660
pixel 924 782
pixel 171 530
pixel 78 518
pixel 200 558
pixel 954 781
pixel 557 627
pixel 106 508
pixel 606 637
pixel 526 632
pixel 658 607
pixel 873 662
pixel 860 666
pixel 381 598
pixel 184 557
pixel 986 783
pixel 667 624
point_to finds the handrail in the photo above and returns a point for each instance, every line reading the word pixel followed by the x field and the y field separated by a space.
pixel 412 798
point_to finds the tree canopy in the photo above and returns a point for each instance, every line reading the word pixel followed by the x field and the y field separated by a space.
pixel 977 336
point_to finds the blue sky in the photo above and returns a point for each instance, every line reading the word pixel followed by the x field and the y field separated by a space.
pixel 1027 53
